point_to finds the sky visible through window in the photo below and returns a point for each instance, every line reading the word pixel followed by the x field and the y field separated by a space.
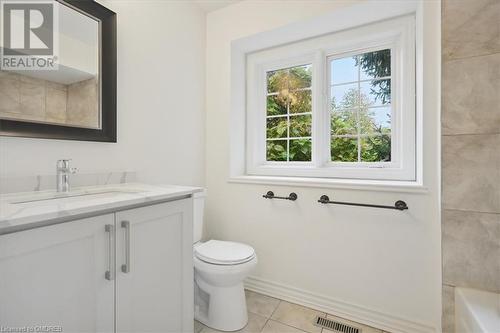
pixel 344 70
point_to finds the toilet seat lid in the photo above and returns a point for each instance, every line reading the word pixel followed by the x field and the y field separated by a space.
pixel 224 253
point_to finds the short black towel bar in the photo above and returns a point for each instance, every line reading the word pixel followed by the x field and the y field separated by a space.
pixel 399 205
pixel 270 195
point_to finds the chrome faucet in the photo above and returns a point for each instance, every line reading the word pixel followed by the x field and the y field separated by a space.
pixel 63 172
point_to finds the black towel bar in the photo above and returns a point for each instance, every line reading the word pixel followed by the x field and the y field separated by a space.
pixel 399 205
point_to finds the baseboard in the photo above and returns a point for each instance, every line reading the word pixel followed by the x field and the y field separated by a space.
pixel 336 307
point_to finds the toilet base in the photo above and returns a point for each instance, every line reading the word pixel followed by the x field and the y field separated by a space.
pixel 220 308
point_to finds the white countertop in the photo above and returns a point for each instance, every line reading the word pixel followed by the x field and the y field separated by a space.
pixel 21 211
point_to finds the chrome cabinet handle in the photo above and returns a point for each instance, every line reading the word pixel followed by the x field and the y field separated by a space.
pixel 108 275
pixel 126 266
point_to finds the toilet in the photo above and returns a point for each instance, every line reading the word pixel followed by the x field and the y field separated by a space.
pixel 219 270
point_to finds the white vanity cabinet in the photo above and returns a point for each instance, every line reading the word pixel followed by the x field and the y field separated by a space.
pixel 54 276
pixel 154 279
pixel 128 271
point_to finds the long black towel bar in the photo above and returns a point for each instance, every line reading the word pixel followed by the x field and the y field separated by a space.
pixel 399 205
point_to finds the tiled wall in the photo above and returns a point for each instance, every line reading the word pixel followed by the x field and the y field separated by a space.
pixel 23 97
pixel 470 148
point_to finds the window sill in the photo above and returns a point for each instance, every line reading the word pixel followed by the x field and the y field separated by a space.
pixel 347 184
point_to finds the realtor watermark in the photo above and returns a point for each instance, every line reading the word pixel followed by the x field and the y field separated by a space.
pixel 34 328
pixel 30 35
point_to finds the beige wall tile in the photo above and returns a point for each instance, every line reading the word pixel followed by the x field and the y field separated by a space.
pixel 83 104
pixel 32 99
pixel 9 94
pixel 470 28
pixel 471 98
pixel 31 80
pixel 471 172
pixel 261 304
pixel 9 75
pixel 276 327
pixel 470 163
pixel 297 316
pixel 55 85
pixel 364 328
pixel 55 105
pixel 448 318
pixel 471 250
pixel 43 101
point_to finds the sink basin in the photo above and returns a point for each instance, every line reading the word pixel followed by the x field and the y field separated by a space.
pixel 80 194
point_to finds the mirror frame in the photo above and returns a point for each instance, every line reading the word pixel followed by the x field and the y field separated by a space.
pixel 107 133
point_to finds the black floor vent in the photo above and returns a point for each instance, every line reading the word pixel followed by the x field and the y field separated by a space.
pixel 335 325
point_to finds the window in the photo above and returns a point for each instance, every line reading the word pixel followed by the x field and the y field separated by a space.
pixel 336 106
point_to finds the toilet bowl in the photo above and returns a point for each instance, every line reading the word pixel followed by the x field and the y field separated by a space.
pixel 219 270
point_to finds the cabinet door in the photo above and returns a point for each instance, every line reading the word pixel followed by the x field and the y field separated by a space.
pixel 154 285
pixel 55 276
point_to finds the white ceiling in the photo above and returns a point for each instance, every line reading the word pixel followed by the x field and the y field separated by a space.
pixel 211 5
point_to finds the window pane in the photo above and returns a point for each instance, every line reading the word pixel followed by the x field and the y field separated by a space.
pixel 276 150
pixel 344 122
pixel 377 92
pixel 344 96
pixel 374 64
pixel 375 120
pixel 300 126
pixel 344 70
pixel 300 77
pixel 300 101
pixel 361 110
pixel 277 80
pixel 344 149
pixel 277 127
pixel 289 93
pixel 276 105
pixel 300 150
pixel 376 149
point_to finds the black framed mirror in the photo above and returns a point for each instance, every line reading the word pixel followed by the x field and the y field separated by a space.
pixel 76 101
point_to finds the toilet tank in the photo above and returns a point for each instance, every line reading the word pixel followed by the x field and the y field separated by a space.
pixel 198 209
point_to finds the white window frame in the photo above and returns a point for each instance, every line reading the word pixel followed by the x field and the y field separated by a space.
pixel 396 34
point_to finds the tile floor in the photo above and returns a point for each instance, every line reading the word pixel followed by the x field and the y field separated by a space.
pixel 271 315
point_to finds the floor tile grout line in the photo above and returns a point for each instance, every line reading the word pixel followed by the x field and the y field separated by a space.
pixel 269 318
pixel 288 325
pixel 470 211
pixel 301 329
pixel 276 308
pixel 448 59
pixel 260 314
pixel 471 134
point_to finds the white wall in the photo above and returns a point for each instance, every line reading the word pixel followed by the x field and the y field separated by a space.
pixel 161 122
pixel 386 263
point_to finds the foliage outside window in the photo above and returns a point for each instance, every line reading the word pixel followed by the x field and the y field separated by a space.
pixel 289 114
